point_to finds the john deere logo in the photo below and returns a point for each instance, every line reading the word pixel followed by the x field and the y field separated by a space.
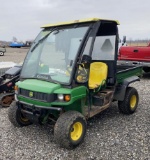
pixel 30 94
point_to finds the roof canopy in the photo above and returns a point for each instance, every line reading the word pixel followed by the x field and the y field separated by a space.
pixel 78 21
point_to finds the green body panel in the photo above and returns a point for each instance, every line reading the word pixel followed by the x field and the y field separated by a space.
pixel 122 75
pixel 78 94
pixel 38 85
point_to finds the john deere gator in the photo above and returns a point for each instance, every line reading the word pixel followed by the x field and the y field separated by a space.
pixel 69 75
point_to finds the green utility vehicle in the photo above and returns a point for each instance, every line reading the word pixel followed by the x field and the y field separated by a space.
pixel 69 75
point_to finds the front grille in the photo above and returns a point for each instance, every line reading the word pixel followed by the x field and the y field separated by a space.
pixel 37 95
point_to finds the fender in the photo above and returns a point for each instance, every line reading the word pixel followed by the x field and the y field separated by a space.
pixel 121 88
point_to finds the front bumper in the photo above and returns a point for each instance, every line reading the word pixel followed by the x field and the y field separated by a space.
pixel 41 107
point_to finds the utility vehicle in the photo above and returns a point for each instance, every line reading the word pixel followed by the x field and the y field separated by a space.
pixel 69 75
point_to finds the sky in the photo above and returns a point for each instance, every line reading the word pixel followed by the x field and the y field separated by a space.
pixel 23 18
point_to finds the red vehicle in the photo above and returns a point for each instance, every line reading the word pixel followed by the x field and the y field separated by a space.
pixel 135 55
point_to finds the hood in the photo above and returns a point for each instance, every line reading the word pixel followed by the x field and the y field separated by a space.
pixel 38 85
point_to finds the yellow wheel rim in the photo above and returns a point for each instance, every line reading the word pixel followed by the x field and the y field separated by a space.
pixel 76 131
pixel 23 118
pixel 133 101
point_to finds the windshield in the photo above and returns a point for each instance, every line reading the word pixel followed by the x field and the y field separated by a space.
pixel 53 54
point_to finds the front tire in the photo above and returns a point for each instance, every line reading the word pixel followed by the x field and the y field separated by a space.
pixel 130 102
pixel 16 117
pixel 70 129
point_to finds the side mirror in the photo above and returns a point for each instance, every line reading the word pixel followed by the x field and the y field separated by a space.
pixel 124 39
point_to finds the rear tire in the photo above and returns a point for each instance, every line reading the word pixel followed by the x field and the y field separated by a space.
pixel 16 117
pixel 130 102
pixel 70 129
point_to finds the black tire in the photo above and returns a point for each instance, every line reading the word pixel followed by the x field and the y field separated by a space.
pixel 16 117
pixel 70 129
pixel 1 53
pixel 130 102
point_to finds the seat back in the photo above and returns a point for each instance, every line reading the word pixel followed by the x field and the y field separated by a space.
pixel 98 74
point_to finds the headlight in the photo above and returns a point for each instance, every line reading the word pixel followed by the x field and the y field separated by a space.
pixel 60 97
pixel 65 97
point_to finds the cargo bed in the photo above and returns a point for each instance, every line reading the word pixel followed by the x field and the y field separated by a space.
pixel 126 71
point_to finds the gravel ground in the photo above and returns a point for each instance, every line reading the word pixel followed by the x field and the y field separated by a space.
pixel 16 55
pixel 110 135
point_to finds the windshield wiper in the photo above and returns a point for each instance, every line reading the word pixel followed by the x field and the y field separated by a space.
pixel 43 38
pixel 57 31
pixel 39 42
